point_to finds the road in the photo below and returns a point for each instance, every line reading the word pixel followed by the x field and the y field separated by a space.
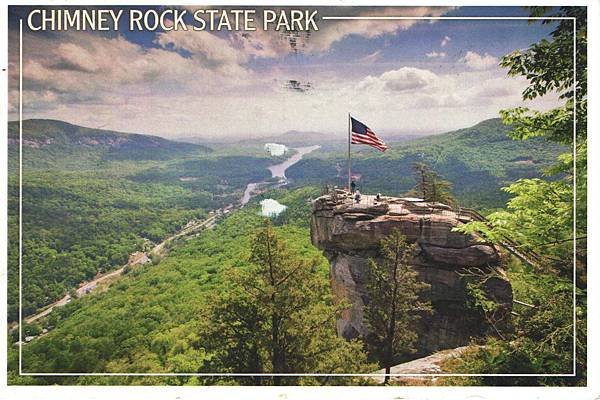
pixel 87 287
pixel 277 170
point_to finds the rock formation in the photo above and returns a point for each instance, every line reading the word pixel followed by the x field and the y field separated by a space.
pixel 431 364
pixel 350 234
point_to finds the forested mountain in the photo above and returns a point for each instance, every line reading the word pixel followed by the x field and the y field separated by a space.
pixel 79 223
pixel 52 143
pixel 91 197
pixel 478 161
pixel 145 187
pixel 161 317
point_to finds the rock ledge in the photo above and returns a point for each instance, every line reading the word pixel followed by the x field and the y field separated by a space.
pixel 350 233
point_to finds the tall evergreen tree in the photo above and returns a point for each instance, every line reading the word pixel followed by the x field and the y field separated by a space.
pixel 394 307
pixel 277 317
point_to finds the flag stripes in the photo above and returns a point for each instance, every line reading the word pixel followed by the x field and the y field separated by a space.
pixel 362 134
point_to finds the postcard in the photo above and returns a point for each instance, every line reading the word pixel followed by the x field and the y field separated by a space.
pixel 278 196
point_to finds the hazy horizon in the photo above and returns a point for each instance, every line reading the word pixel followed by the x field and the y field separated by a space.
pixel 329 136
pixel 401 76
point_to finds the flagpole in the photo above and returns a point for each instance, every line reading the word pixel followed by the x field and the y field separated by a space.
pixel 349 159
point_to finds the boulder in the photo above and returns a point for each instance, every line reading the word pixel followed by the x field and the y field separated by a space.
pixel 350 235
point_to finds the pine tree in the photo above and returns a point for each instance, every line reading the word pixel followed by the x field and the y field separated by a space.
pixel 430 186
pixel 421 174
pixel 394 307
pixel 277 316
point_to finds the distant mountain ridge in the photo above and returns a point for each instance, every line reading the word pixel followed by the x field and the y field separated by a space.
pixel 477 160
pixel 295 138
pixel 42 133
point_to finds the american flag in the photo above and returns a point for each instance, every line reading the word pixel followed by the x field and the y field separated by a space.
pixel 362 134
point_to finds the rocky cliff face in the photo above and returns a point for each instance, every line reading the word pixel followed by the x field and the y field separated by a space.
pixel 350 234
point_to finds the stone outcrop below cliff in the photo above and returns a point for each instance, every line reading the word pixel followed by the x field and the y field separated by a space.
pixel 350 234
pixel 430 365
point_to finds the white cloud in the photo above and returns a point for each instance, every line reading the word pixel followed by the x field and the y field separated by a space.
pixel 445 41
pixel 206 48
pixel 86 63
pixel 86 68
pixel 201 85
pixel 436 54
pixel 402 100
pixel 407 79
pixel 274 44
pixel 335 31
pixel 441 100
pixel 496 88
pixel 477 61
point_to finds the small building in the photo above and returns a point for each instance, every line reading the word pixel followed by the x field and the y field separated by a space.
pixel 138 258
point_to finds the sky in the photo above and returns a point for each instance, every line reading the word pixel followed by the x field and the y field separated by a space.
pixel 398 77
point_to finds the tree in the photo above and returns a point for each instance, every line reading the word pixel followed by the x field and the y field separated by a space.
pixel 430 186
pixel 421 174
pixel 540 214
pixel 542 342
pixel 394 307
pixel 73 293
pixel 276 316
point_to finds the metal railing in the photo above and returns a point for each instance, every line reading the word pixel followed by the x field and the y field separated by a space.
pixel 529 257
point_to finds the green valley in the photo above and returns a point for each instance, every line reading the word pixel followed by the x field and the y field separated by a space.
pixel 92 197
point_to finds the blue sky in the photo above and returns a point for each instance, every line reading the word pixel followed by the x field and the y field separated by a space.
pixel 401 76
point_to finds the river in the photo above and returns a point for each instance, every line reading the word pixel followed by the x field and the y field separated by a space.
pixel 278 170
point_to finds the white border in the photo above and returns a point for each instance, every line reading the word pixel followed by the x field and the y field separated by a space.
pixel 20 197
pixel 210 374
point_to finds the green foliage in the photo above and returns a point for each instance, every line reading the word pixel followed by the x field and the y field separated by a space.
pixel 33 329
pixel 542 342
pixel 217 175
pixel 156 319
pixel 394 307
pixel 548 64
pixel 298 202
pixel 478 300
pixel 430 186
pixel 125 328
pixel 78 224
pixel 91 197
pixel 276 316
pixel 539 216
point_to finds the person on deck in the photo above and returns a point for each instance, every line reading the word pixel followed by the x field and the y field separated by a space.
pixel 352 187
pixel 357 197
